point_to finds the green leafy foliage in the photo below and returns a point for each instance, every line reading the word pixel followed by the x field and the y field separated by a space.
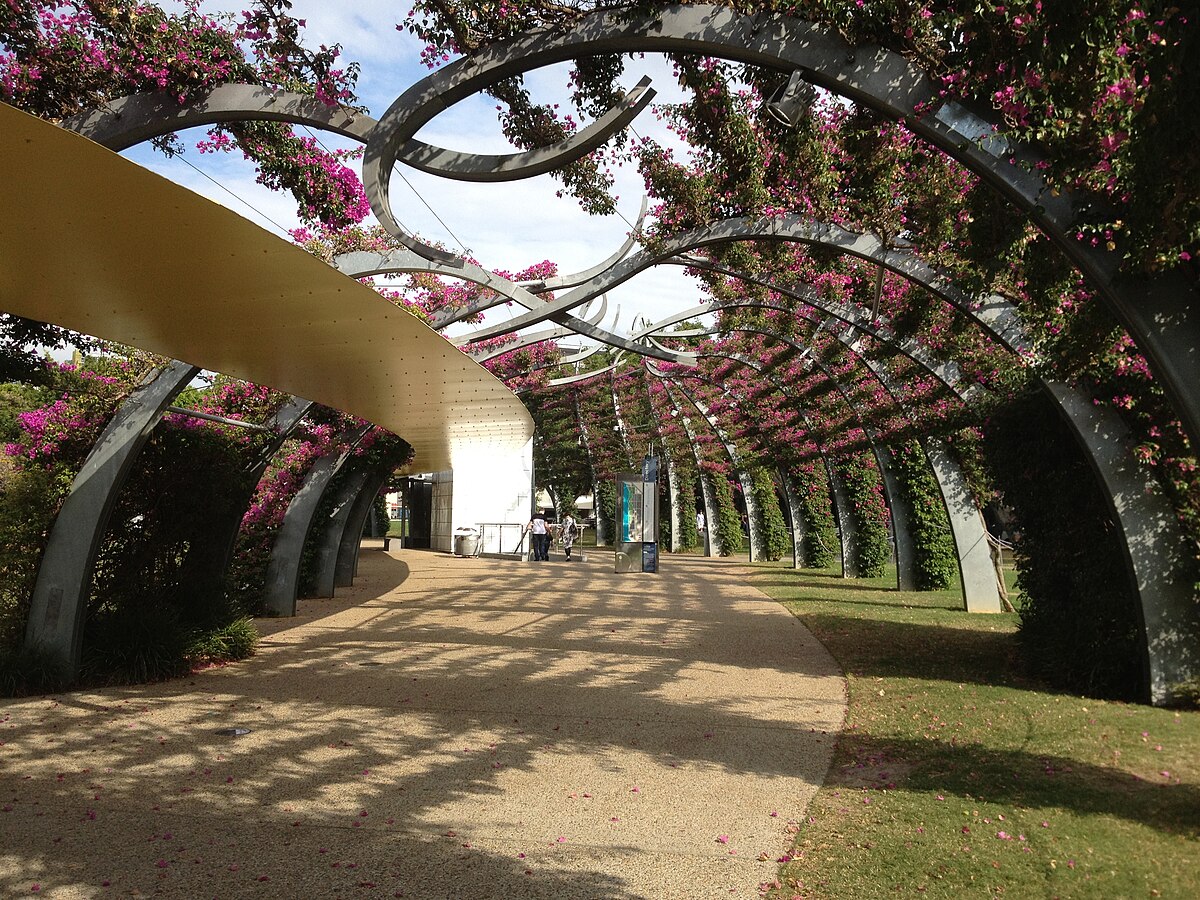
pixel 934 557
pixel 1079 616
pixel 820 546
pixel 605 507
pixel 685 494
pixel 729 522
pixel 864 488
pixel 774 528
pixel 28 670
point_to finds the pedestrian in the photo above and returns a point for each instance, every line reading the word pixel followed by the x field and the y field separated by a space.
pixel 700 523
pixel 539 536
pixel 569 530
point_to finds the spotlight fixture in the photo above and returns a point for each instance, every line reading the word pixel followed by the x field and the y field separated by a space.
pixel 791 101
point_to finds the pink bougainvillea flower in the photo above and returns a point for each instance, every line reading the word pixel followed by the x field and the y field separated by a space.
pixel 722 839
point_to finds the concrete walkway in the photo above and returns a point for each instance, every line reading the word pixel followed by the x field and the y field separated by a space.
pixel 448 728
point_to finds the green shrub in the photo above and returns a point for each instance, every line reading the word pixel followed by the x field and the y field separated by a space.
pixel 685 492
pixel 26 671
pixel 236 640
pixel 864 488
pixel 1080 622
pixel 934 557
pixel 816 510
pixel 775 531
pixel 729 523
pixel 136 643
pixel 605 508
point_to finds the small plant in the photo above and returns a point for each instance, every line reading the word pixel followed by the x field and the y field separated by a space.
pixel 1186 694
pixel 234 641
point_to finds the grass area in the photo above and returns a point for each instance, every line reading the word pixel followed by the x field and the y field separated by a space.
pixel 957 775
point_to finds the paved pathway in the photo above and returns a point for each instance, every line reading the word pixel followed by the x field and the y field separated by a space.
pixel 448 728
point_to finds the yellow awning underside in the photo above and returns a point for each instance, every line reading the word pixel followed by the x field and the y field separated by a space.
pixel 98 244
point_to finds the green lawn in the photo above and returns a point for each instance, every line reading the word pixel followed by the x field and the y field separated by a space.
pixel 958 776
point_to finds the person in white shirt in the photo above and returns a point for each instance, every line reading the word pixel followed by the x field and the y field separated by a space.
pixel 540 540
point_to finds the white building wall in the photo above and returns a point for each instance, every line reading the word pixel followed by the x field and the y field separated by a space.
pixel 485 487
pixel 494 489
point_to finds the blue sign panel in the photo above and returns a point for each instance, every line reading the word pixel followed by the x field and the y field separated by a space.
pixel 649 557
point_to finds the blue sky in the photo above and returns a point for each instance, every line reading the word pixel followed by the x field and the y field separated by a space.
pixel 508 226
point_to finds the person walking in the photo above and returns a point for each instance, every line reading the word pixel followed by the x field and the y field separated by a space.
pixel 569 531
pixel 539 536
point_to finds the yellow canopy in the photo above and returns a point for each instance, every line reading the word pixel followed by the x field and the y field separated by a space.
pixel 98 244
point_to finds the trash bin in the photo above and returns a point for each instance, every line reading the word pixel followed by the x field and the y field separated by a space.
pixel 466 542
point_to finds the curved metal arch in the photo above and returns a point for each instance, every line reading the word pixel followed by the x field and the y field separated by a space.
pixel 212 558
pixel 365 263
pixel 1150 537
pixel 283 567
pixel 338 542
pixel 979 583
pixel 712 539
pixel 346 564
pixel 978 579
pixel 1162 313
pixel 945 371
pixel 529 163
pixel 391 135
pixel 537 337
pixel 582 376
pixel 59 601
pixel 757 538
pixel 135 118
pixel 562 282
pixel 849 530
pixel 329 537
pixel 994 313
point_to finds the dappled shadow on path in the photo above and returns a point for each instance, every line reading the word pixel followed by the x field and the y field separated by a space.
pixel 450 727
